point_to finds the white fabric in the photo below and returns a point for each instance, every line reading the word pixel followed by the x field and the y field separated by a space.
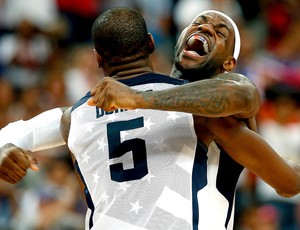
pixel 38 133
pixel 139 203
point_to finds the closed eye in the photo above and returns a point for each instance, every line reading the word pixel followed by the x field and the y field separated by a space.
pixel 220 33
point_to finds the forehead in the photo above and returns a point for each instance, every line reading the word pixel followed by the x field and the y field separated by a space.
pixel 214 18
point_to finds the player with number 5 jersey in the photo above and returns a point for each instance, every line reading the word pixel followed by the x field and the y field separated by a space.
pixel 134 162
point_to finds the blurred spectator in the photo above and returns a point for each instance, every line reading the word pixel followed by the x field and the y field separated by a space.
pixel 81 72
pixel 24 55
pixel 52 203
pixel 259 218
pixel 8 205
pixel 7 96
pixel 279 124
pixel 42 14
pixel 79 16
pixel 283 23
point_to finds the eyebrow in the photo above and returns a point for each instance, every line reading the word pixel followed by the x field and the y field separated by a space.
pixel 220 25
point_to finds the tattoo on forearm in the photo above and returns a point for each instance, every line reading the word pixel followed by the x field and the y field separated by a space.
pixel 197 100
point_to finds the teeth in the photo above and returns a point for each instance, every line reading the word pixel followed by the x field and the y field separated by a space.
pixel 205 45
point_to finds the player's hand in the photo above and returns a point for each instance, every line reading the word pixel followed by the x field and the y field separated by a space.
pixel 110 95
pixel 14 163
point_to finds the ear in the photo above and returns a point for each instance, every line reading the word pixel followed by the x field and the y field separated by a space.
pixel 98 58
pixel 151 43
pixel 229 64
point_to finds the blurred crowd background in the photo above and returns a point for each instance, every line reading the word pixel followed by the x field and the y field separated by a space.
pixel 47 61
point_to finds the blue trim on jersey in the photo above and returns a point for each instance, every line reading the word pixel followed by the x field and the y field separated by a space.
pixel 152 78
pixel 81 101
pixel 87 195
pixel 227 177
pixel 199 179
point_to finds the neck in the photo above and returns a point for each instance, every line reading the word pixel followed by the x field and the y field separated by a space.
pixel 193 74
pixel 129 70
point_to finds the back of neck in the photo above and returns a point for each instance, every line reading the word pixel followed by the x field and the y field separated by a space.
pixel 129 70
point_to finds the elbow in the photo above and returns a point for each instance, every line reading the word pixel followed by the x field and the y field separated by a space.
pixel 286 195
pixel 291 191
pixel 253 100
pixel 250 100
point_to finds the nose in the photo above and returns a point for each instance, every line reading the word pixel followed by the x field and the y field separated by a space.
pixel 206 28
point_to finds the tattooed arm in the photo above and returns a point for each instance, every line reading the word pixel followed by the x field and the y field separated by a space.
pixel 225 95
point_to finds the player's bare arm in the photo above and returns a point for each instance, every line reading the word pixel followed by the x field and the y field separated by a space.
pixel 252 151
pixel 225 95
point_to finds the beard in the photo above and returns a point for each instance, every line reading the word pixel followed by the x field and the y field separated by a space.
pixel 196 74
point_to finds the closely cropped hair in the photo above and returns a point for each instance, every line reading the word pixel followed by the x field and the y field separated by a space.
pixel 120 35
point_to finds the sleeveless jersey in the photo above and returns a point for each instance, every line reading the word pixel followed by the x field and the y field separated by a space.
pixel 144 169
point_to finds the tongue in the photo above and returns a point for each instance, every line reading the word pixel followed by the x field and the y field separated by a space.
pixel 194 43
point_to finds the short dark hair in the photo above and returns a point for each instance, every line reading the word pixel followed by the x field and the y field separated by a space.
pixel 120 35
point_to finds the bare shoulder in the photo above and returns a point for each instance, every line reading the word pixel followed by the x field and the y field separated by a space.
pixel 237 77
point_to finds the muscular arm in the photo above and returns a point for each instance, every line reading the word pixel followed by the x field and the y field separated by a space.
pixel 225 95
pixel 253 152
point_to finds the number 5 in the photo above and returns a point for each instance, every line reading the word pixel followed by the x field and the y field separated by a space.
pixel 117 148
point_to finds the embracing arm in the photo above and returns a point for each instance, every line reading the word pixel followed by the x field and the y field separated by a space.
pixel 224 95
pixel 253 152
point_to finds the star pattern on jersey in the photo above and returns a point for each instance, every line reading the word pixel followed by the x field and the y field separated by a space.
pixel 96 178
pixel 80 113
pixel 159 145
pixel 172 116
pixel 89 128
pixel 112 117
pixel 104 197
pixel 101 144
pixel 85 157
pixel 148 123
pixel 148 177
pixel 123 186
pixel 135 207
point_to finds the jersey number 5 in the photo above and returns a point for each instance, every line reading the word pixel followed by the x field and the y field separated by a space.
pixel 117 148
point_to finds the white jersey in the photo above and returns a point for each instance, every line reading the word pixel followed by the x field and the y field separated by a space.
pixel 144 169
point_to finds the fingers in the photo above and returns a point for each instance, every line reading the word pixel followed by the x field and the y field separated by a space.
pixel 98 93
pixel 16 156
pixel 14 163
pixel 91 102
pixel 34 164
pixel 102 95
pixel 11 172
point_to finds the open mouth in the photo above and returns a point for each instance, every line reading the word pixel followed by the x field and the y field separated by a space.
pixel 198 44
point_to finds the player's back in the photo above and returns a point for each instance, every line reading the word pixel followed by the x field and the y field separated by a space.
pixel 137 165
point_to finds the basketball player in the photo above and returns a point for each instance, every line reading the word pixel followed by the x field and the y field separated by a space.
pixel 148 169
